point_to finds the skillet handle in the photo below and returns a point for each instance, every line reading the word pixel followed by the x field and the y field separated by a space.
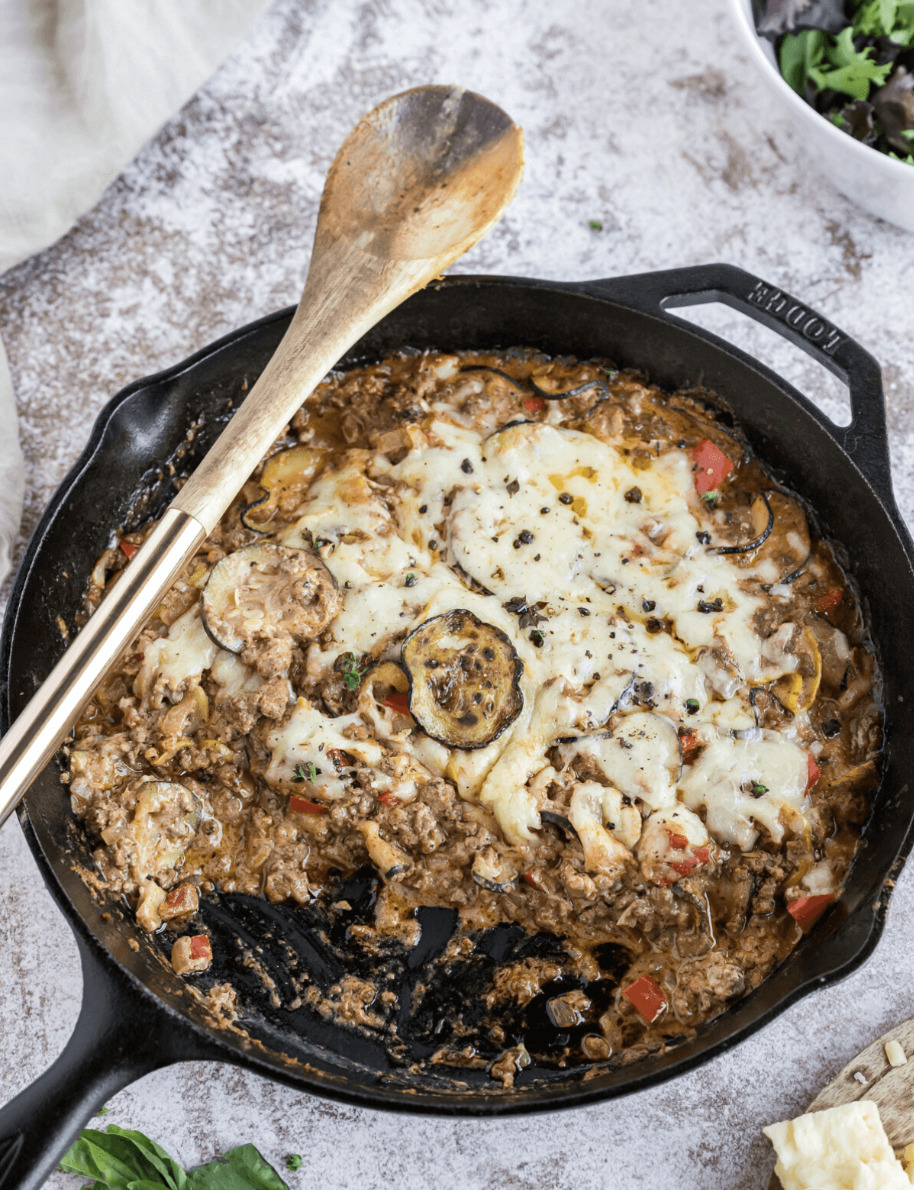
pixel 111 1046
pixel 866 438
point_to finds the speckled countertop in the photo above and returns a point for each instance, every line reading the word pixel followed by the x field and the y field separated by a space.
pixel 643 116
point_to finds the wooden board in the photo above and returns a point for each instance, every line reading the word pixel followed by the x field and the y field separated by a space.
pixel 892 1088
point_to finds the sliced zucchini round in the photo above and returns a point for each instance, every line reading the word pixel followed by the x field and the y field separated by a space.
pixel 761 521
pixel 285 478
pixel 796 691
pixel 788 544
pixel 494 372
pixel 464 679
pixel 493 872
pixel 267 591
pixel 588 386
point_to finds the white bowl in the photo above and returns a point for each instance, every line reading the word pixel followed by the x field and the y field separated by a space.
pixel 873 180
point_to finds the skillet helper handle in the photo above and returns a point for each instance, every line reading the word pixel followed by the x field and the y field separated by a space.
pixel 110 1047
pixel 866 438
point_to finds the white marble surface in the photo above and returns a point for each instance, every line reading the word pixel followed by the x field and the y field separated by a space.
pixel 643 116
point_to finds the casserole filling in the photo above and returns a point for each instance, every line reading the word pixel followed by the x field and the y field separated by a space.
pixel 525 639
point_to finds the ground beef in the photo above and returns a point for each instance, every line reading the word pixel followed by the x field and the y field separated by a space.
pixel 706 933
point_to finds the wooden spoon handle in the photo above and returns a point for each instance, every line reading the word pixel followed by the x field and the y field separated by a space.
pixel 48 718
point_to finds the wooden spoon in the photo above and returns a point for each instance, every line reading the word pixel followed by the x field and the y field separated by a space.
pixel 416 183
pixel 869 1076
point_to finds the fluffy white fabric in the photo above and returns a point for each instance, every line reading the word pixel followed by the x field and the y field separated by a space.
pixel 83 84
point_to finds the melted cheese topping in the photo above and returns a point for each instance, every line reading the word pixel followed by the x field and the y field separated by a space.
pixel 174 662
pixel 741 783
pixel 624 620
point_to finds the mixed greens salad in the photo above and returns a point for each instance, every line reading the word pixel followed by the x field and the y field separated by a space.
pixel 853 61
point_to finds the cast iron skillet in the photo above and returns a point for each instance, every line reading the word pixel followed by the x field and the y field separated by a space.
pixel 136 1014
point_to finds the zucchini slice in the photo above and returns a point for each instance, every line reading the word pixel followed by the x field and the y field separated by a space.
pixel 285 478
pixel 464 679
pixel 761 520
pixel 267 591
pixel 797 691
pixel 586 387
pixel 788 544
pixel 493 872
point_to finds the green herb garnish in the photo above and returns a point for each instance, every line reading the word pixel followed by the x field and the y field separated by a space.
pixel 710 497
pixel 411 580
pixel 306 772
pixel 293 1161
pixel 121 1159
pixel 693 706
pixel 758 788
pixel 352 672
pixel 103 1111
pixel 595 224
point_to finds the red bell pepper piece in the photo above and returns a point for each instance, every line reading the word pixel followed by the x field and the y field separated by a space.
pixel 689 742
pixel 806 911
pixel 813 772
pixel 711 466
pixel 200 947
pixel 829 599
pixel 399 703
pixel 128 548
pixel 532 878
pixel 685 867
pixel 182 899
pixel 647 996
pixel 388 798
pixel 301 805
pixel 534 404
pixel 678 842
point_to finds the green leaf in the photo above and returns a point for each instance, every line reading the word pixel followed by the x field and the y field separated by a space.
pixel 875 17
pixel 854 80
pixel 842 51
pixel 293 1161
pixel 886 18
pixel 799 55
pixel 118 1158
pixel 854 71
pixel 240 1169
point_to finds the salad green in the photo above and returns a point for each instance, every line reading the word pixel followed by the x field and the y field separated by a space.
pixel 853 61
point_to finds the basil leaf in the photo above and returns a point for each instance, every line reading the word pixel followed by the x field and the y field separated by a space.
pixel 119 1158
pixel 171 1174
pixel 240 1169
pixel 107 1160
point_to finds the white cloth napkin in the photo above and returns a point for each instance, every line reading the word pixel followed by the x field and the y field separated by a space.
pixel 83 84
